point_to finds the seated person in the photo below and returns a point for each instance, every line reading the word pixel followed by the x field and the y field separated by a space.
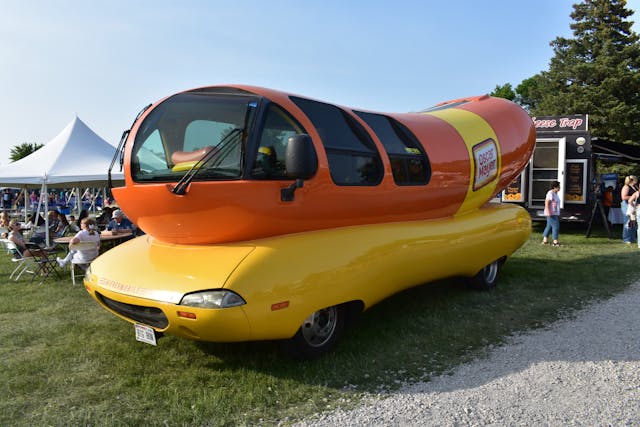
pixel 88 233
pixel 28 249
pixel 63 225
pixel 104 218
pixel 73 225
pixel 36 225
pixel 54 222
pixel 4 219
pixel 34 221
pixel 119 223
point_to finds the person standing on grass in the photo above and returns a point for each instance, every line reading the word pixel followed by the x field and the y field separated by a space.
pixel 632 212
pixel 552 212
pixel 629 188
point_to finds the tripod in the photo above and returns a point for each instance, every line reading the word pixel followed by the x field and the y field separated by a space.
pixel 597 206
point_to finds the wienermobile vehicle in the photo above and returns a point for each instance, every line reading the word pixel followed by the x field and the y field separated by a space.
pixel 274 216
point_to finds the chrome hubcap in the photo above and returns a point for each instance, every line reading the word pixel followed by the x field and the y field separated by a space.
pixel 490 272
pixel 318 328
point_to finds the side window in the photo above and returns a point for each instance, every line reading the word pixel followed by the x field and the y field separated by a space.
pixel 353 157
pixel 151 156
pixel 409 162
pixel 270 159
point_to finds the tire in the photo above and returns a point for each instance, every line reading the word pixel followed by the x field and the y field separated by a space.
pixel 487 278
pixel 318 333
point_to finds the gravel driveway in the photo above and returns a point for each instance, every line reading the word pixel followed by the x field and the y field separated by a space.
pixel 580 371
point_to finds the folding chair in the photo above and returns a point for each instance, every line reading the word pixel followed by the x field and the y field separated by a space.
pixel 81 246
pixel 45 263
pixel 23 264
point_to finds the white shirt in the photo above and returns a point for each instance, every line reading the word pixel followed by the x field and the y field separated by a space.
pixel 86 256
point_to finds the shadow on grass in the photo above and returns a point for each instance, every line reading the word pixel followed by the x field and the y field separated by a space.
pixel 431 328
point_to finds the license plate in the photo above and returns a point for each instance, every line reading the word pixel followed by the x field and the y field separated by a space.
pixel 145 334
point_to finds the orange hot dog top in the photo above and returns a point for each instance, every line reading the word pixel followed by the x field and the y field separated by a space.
pixel 454 159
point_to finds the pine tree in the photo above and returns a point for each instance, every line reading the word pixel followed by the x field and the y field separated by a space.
pixel 597 72
pixel 23 150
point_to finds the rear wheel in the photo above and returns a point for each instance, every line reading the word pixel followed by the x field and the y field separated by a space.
pixel 486 278
pixel 318 333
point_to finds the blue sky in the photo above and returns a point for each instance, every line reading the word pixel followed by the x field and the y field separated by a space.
pixel 104 61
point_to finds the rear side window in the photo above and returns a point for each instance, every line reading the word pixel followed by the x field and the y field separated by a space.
pixel 409 162
pixel 352 154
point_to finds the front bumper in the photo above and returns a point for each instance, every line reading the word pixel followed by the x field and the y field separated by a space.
pixel 203 324
pixel 143 281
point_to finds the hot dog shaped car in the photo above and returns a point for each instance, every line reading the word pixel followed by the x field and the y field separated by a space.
pixel 273 216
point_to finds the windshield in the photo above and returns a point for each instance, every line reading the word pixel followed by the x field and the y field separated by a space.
pixel 197 131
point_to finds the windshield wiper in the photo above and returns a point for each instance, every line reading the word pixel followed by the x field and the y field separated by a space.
pixel 218 153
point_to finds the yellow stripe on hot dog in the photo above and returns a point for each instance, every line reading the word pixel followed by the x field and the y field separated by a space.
pixel 484 155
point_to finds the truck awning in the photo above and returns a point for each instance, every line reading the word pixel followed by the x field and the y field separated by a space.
pixel 615 151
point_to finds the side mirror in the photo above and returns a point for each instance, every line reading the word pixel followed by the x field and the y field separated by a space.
pixel 301 163
pixel 300 158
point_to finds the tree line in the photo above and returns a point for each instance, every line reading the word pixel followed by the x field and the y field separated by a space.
pixel 596 72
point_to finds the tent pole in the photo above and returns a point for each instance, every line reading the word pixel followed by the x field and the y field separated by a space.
pixel 40 200
pixel 92 198
pixel 86 193
pixel 46 216
pixel 25 204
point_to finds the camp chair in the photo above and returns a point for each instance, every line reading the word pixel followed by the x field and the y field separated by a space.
pixel 81 246
pixel 23 264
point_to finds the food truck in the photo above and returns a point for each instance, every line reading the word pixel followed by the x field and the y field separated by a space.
pixel 273 216
pixel 563 153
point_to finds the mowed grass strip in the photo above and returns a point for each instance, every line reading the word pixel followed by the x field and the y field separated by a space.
pixel 66 361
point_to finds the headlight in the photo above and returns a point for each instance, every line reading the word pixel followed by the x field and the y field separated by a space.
pixel 212 299
pixel 88 275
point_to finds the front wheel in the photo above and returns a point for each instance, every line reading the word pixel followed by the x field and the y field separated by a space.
pixel 318 333
pixel 486 278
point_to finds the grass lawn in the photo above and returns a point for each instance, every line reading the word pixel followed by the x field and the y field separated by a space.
pixel 66 361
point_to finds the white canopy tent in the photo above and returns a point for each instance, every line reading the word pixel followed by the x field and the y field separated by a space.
pixel 76 158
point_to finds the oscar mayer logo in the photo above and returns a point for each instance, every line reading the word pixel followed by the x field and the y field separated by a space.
pixel 485 156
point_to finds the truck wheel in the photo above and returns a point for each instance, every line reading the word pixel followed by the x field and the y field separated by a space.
pixel 486 278
pixel 318 333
